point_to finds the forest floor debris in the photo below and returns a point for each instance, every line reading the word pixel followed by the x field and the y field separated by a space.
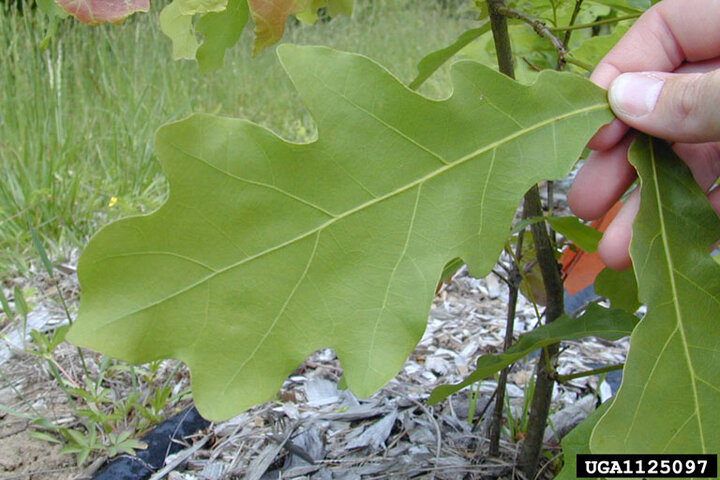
pixel 314 430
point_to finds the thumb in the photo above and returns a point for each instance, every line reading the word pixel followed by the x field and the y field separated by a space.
pixel 676 107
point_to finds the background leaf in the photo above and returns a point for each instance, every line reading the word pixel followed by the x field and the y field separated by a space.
pixel 222 30
pixel 618 287
pixel 269 17
pixel 432 61
pixel 268 250
pixel 95 12
pixel 578 441
pixel 192 7
pixel 179 28
pixel 674 350
pixel 611 324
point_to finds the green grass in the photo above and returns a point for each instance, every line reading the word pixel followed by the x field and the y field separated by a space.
pixel 77 119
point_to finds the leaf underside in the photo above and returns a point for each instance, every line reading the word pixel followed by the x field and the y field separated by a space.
pixel 268 250
pixel 670 396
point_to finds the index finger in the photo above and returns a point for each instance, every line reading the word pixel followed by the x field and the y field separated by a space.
pixel 667 35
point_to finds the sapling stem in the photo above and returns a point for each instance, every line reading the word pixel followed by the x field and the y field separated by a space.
pixel 587 373
pixel 573 19
pixel 514 279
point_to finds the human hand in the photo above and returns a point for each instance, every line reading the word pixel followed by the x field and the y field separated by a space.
pixel 676 46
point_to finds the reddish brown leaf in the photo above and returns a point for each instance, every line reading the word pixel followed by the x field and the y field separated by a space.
pixel 95 12
pixel 269 17
pixel 579 267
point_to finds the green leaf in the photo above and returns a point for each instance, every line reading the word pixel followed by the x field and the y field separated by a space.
pixel 192 7
pixel 178 26
pixel 593 49
pixel 95 12
pixel 431 62
pixel 340 7
pixel 618 287
pixel 41 251
pixel 269 250
pixel 51 9
pixel 611 324
pixel 571 227
pixel 5 305
pixel 222 31
pixel 578 442
pixel 670 395
pixel 451 269
pixel 21 306
pixel 577 232
pixel 627 6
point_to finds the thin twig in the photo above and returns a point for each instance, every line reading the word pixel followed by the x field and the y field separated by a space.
pixel 587 373
pixel 604 21
pixel 537 25
pixel 573 19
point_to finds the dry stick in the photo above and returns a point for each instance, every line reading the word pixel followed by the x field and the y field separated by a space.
pixel 513 287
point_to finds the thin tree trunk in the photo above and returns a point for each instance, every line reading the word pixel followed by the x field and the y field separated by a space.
pixel 540 406
pixel 544 382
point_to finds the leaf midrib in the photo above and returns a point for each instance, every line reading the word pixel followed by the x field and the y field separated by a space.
pixel 680 326
pixel 361 207
pixel 673 287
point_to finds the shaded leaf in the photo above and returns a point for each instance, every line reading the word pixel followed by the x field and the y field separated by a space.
pixel 611 324
pixel 95 12
pixel 670 395
pixel 584 236
pixel 222 30
pixel 432 61
pixel 179 28
pixel 192 7
pixel 268 250
pixel 592 50
pixel 618 287
pixel 577 441
pixel 450 269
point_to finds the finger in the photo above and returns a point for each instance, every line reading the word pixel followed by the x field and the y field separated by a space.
pixel 601 181
pixel 699 67
pixel 613 132
pixel 614 246
pixel 677 107
pixel 714 197
pixel 703 160
pixel 608 135
pixel 669 34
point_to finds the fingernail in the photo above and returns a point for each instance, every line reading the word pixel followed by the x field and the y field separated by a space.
pixel 635 94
